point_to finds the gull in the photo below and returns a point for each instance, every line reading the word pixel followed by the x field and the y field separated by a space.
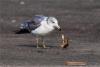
pixel 40 26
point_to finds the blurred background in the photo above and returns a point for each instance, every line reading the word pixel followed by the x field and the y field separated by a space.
pixel 75 17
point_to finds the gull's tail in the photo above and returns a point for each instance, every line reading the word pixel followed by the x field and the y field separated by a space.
pixel 22 31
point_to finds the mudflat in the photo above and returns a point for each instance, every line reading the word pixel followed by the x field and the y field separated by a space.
pixel 79 19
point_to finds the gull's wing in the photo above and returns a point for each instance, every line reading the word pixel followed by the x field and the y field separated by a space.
pixel 34 23
pixel 38 18
pixel 29 25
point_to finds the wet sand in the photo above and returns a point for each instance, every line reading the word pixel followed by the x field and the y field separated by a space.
pixel 79 20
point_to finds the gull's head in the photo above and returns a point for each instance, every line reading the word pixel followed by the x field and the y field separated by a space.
pixel 52 21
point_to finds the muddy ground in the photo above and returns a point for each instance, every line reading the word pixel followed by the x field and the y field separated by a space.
pixel 79 19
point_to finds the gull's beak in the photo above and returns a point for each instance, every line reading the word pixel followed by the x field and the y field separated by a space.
pixel 58 27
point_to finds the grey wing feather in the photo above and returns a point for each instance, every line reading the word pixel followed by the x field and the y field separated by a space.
pixel 35 23
pixel 30 25
pixel 38 18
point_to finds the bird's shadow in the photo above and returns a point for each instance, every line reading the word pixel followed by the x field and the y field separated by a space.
pixel 26 45
pixel 34 46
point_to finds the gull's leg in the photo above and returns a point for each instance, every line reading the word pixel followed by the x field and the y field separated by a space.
pixel 42 40
pixel 43 43
pixel 37 42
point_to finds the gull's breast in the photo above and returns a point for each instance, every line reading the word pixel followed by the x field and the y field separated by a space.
pixel 42 30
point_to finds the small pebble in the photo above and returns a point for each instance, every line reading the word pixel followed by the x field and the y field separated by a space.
pixel 13 21
pixel 22 2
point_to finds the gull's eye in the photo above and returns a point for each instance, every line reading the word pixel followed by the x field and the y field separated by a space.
pixel 53 22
